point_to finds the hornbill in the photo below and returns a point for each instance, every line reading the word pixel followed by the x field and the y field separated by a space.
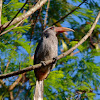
pixel 47 49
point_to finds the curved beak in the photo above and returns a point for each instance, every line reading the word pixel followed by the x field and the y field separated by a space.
pixel 62 29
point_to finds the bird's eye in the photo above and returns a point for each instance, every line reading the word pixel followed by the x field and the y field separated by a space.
pixel 52 27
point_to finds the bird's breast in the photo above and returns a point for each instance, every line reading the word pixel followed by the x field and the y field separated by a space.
pixel 50 48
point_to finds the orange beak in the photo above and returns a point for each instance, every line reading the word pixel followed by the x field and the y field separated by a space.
pixel 62 29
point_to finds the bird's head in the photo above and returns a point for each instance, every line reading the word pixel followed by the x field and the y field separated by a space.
pixel 56 30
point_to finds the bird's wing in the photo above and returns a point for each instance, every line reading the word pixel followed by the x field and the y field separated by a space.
pixel 38 52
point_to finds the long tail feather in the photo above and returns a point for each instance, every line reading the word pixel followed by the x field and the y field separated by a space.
pixel 39 90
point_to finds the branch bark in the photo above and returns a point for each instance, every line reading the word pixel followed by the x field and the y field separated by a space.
pixel 46 16
pixel 7 66
pixel 11 95
pixel 2 29
pixel 73 53
pixel 59 57
pixel 27 14
pixel 0 10
pixel 11 28
pixel 62 18
pixel 12 86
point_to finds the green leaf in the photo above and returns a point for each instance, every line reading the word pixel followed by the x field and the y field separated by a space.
pixel 65 48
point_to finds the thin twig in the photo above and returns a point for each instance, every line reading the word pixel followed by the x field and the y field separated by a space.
pixel 62 18
pixel 59 57
pixel 7 66
pixel 46 16
pixel 11 28
pixel 2 83
pixel 41 20
pixel 19 91
pixel 12 86
pixel 11 95
pixel 73 53
pixel 13 17
pixel 0 10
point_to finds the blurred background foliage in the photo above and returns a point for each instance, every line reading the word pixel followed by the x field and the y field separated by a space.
pixel 75 77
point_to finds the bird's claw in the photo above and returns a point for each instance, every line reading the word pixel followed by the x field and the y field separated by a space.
pixel 55 59
pixel 43 63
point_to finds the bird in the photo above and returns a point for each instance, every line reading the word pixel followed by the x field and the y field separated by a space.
pixel 46 49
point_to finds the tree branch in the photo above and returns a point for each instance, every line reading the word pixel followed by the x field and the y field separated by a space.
pixel 11 28
pixel 12 86
pixel 7 66
pixel 38 5
pixel 2 29
pixel 59 57
pixel 62 18
pixel 11 95
pixel 2 83
pixel 73 53
pixel 0 10
pixel 46 16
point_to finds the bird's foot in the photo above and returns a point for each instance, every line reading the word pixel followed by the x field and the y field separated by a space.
pixel 55 59
pixel 43 63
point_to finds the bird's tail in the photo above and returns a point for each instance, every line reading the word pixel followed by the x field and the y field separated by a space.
pixel 39 90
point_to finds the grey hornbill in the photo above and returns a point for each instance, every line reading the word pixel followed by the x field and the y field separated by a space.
pixel 46 50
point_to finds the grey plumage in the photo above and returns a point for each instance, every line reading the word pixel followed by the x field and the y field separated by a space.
pixel 46 50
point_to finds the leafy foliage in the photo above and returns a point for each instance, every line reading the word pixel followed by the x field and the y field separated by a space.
pixel 74 77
